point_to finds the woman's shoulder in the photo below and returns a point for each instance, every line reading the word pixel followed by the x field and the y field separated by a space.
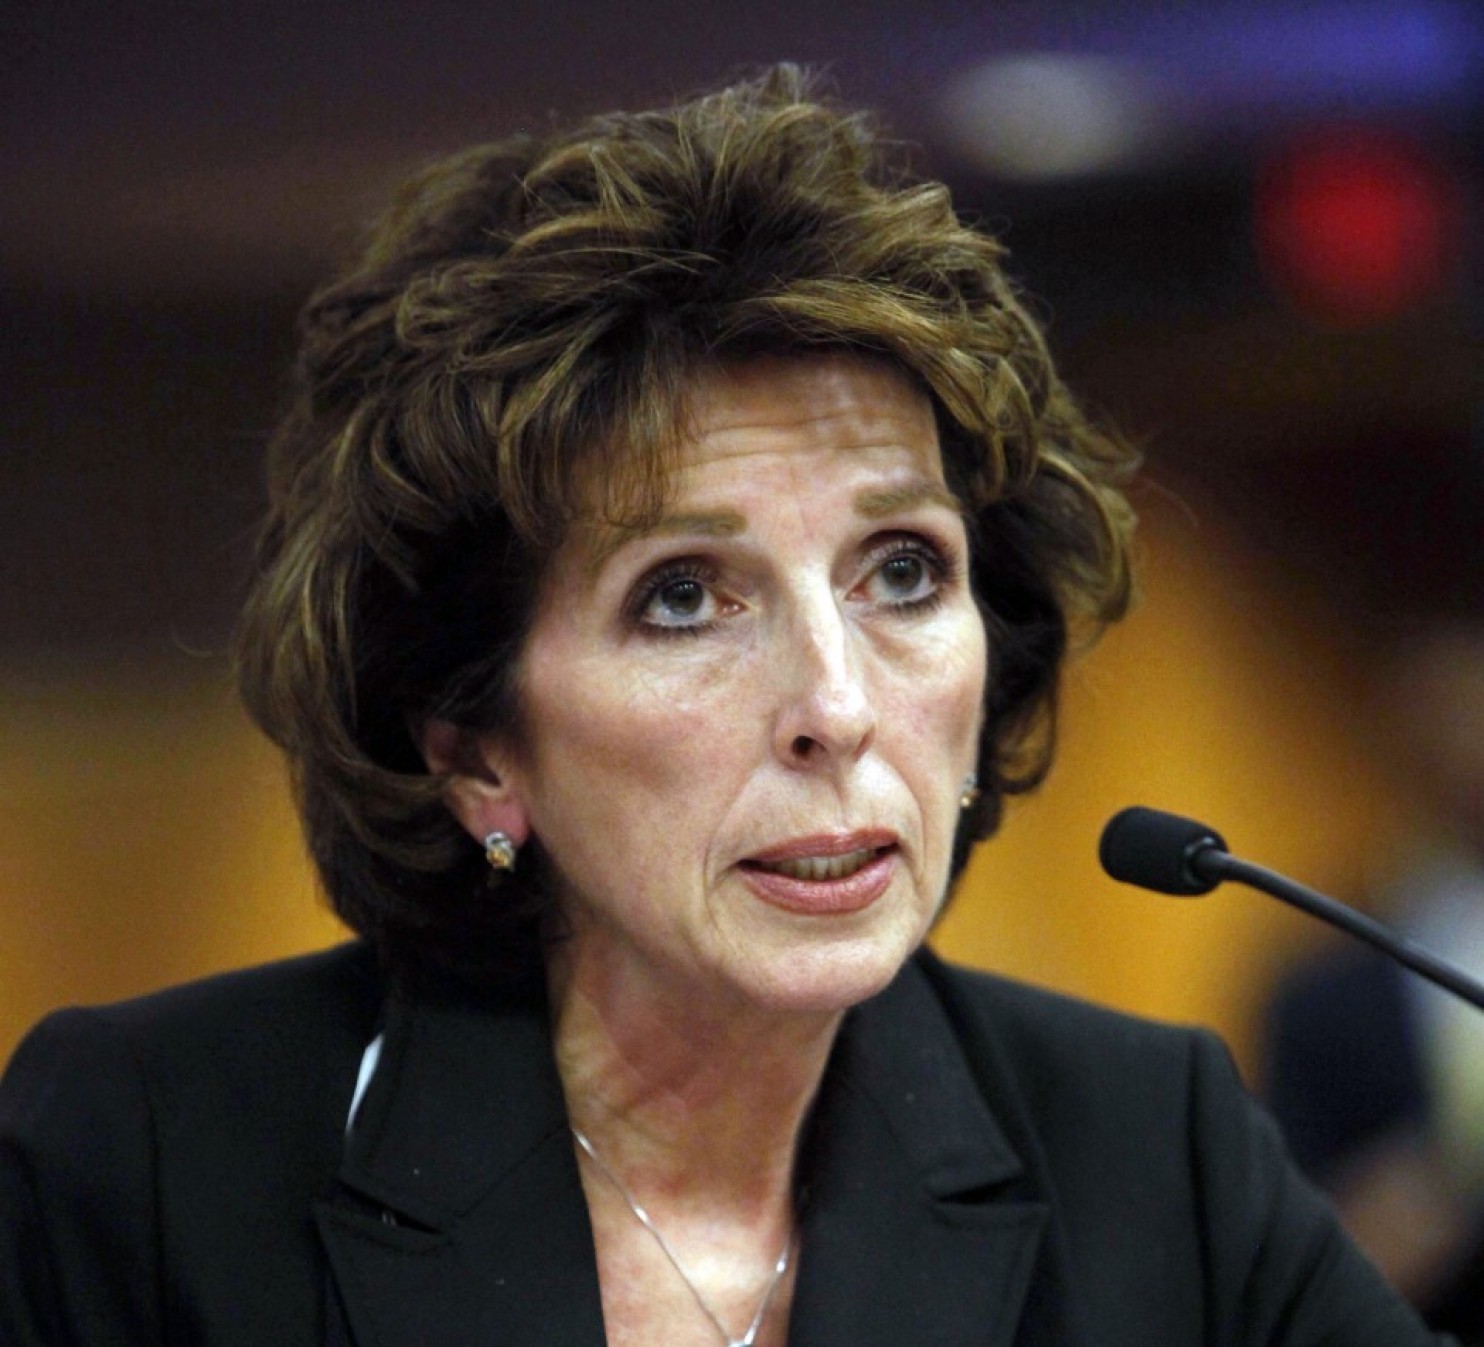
pixel 267 1023
pixel 342 976
pixel 1028 1020
pixel 143 1130
pixel 1138 1126
pixel 1076 1069
pixel 334 986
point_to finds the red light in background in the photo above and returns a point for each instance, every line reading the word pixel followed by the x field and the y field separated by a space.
pixel 1357 226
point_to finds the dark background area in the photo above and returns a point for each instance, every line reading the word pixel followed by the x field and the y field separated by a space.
pixel 1254 230
pixel 175 178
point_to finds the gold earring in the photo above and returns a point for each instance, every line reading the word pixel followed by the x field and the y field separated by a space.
pixel 499 851
pixel 968 795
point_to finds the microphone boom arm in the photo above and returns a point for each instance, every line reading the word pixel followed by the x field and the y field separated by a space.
pixel 1213 864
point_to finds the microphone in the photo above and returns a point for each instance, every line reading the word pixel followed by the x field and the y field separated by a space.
pixel 1170 854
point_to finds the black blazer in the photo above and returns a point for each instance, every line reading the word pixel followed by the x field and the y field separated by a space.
pixel 987 1164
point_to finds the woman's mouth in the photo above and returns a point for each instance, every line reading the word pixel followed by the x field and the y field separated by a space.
pixel 820 867
pixel 824 876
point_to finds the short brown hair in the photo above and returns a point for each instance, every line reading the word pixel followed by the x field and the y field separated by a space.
pixel 528 315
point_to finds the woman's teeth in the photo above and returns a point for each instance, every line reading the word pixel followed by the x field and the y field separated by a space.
pixel 820 867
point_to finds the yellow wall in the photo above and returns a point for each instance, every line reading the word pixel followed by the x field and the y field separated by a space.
pixel 145 835
pixel 1223 697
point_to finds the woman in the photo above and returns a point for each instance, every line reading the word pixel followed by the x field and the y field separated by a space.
pixel 674 542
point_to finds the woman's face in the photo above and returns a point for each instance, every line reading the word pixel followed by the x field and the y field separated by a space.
pixel 747 728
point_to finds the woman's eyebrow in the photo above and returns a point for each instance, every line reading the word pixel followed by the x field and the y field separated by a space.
pixel 878 501
pixel 872 503
pixel 702 523
pixel 708 523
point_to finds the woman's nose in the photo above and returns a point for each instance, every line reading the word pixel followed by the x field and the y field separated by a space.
pixel 826 713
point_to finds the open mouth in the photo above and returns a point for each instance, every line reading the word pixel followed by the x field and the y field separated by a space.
pixel 825 876
pixel 820 868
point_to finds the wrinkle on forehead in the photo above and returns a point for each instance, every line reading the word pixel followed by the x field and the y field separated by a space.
pixel 769 405
pixel 818 396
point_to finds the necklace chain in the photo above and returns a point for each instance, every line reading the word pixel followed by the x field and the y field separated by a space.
pixel 642 1216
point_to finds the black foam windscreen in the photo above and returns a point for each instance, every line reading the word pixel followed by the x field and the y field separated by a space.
pixel 1154 850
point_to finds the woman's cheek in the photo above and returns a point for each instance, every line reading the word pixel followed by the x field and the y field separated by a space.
pixel 941 690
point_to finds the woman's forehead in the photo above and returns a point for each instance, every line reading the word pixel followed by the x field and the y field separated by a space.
pixel 772 419
pixel 772 403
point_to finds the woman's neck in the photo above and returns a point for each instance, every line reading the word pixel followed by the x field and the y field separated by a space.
pixel 696 1105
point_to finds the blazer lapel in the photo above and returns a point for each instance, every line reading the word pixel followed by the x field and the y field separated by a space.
pixel 918 1226
pixel 460 1216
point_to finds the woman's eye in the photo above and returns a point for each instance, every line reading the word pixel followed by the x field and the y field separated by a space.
pixel 908 576
pixel 676 601
pixel 905 575
pixel 679 600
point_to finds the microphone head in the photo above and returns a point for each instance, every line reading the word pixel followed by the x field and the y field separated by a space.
pixel 1159 851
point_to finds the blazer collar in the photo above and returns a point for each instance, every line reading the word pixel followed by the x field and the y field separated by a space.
pixel 917 1225
pixel 460 1214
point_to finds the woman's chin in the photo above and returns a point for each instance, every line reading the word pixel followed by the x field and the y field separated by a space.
pixel 822 963
pixel 823 980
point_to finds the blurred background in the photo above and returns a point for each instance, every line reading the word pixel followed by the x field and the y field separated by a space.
pixel 1253 230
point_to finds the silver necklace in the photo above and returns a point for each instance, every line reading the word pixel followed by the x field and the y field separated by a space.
pixel 642 1216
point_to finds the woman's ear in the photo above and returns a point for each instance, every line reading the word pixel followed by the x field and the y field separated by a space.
pixel 480 791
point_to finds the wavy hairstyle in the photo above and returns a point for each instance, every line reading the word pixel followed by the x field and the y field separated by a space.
pixel 527 318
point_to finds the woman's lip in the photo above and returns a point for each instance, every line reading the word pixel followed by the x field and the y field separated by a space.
pixel 826 844
pixel 825 897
